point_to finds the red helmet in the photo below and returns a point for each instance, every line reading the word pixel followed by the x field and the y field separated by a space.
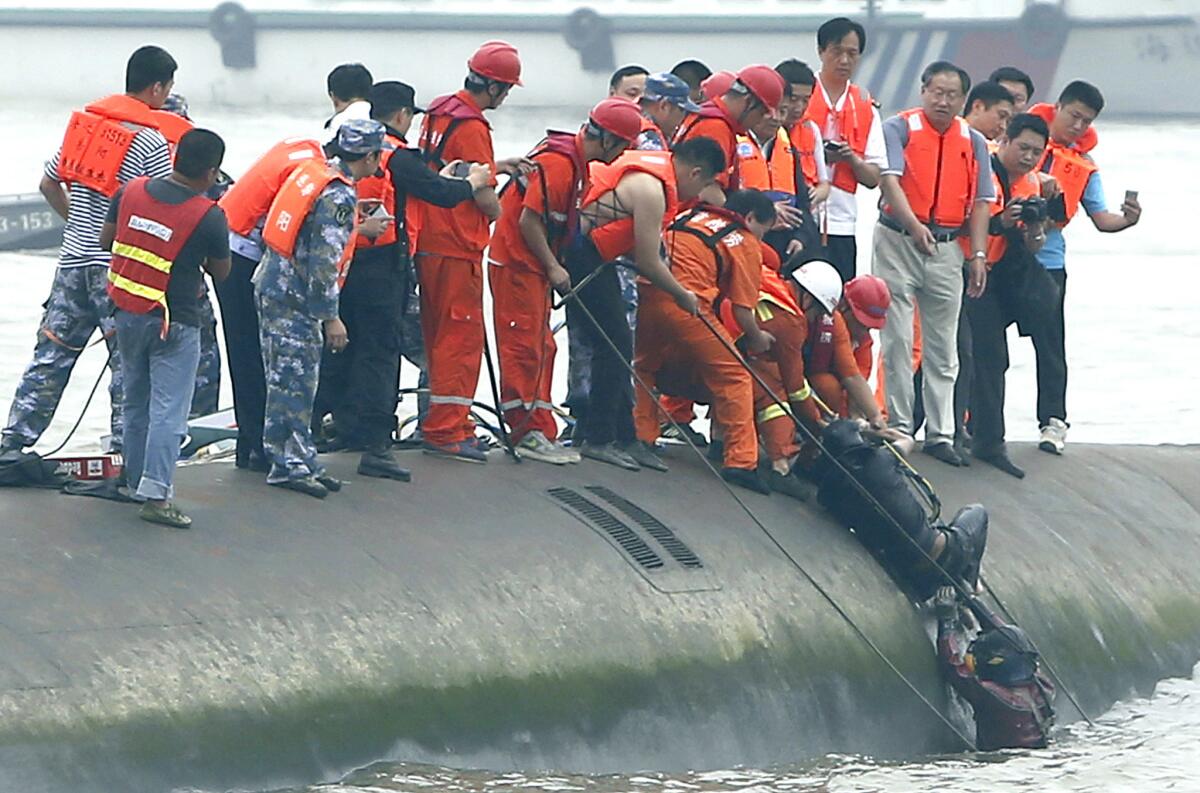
pixel 497 60
pixel 869 298
pixel 764 82
pixel 717 84
pixel 618 116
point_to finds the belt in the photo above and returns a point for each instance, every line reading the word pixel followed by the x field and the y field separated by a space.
pixel 938 236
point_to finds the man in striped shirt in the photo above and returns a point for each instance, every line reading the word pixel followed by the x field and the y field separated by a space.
pixel 79 302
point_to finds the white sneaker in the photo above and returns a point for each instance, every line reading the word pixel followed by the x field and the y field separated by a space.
pixel 1054 437
pixel 535 446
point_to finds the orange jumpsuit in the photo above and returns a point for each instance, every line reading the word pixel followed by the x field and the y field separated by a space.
pixel 668 337
pixel 521 296
pixel 829 359
pixel 450 269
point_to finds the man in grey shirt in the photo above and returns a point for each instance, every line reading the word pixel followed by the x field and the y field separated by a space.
pixel 936 188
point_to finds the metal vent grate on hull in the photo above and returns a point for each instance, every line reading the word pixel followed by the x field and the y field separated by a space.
pixel 662 533
pixel 611 525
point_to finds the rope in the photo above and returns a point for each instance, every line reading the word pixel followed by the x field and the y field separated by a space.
pixel 87 404
pixel 771 536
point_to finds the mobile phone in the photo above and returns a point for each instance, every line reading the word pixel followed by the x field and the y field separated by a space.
pixel 833 146
pixel 1131 195
pixel 461 170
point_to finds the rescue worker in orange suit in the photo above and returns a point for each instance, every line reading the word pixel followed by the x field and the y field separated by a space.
pixel 450 251
pixel 539 215
pixel 1075 173
pixel 360 384
pixel 938 182
pixel 78 183
pixel 865 301
pixel 1019 288
pixel 624 211
pixel 853 133
pixel 715 253
pixel 754 93
pixel 777 313
pixel 798 175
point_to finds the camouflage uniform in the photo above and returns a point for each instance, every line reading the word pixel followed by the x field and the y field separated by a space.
pixel 294 296
pixel 208 373
pixel 77 305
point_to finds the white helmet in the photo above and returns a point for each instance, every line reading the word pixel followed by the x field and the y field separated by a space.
pixel 822 281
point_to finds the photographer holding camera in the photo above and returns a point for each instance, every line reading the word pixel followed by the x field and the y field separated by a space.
pixel 1019 289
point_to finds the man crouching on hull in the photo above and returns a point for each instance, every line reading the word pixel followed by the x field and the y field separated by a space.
pixel 997 672
pixel 853 465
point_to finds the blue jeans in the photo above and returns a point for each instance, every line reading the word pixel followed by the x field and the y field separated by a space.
pixel 160 375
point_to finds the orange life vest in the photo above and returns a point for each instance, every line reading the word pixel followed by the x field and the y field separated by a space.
pixel 381 188
pixel 99 136
pixel 247 201
pixel 798 145
pixel 852 124
pixel 1071 169
pixel 1025 187
pixel 1084 144
pixel 615 238
pixel 752 165
pixel 940 170
pixel 442 117
pixel 715 108
pixel 292 205
pixel 149 236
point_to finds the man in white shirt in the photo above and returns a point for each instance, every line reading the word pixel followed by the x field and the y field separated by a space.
pixel 850 124
pixel 349 86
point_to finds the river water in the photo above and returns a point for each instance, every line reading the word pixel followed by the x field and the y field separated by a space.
pixel 1134 347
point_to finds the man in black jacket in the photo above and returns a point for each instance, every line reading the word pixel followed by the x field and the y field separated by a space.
pixel 378 305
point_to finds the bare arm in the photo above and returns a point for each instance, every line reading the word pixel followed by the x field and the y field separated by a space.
pixel 862 400
pixel 644 193
pixel 488 202
pixel 107 233
pixel 866 173
pixel 1111 222
pixel 56 196
pixel 981 216
pixel 533 232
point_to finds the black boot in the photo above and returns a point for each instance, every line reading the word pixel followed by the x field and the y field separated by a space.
pixel 308 485
pixel 381 464
pixel 746 478
pixel 966 540
pixel 791 485
pixel 998 457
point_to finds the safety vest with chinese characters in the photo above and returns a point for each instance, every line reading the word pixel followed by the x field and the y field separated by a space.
pixel 99 136
pixel 149 236
pixel 247 202
pixel 851 124
pixel 1071 169
pixel 615 237
pixel 940 170
pixel 752 165
pixel 292 205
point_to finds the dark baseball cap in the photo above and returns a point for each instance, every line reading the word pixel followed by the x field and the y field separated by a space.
pixel 391 95
pixel 665 85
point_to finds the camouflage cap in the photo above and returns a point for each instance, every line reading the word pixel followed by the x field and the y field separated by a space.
pixel 360 136
pixel 177 104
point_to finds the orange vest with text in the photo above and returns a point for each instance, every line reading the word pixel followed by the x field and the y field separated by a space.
pixel 940 170
pixel 752 165
pixel 1071 169
pixel 99 136
pixel 615 238
pixel 851 124
pixel 247 201
pixel 292 205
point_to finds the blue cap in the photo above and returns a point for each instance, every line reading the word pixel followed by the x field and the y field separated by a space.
pixel 360 136
pixel 665 85
pixel 177 104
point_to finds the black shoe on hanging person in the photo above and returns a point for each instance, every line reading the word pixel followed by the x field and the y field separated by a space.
pixel 999 458
pixel 747 478
pixel 381 464
pixel 944 451
pixel 791 485
pixel 966 541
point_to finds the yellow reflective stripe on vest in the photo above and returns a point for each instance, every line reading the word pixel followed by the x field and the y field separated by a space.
pixel 763 310
pixel 134 288
pixel 141 255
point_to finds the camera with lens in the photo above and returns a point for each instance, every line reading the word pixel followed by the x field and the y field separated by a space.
pixel 1033 210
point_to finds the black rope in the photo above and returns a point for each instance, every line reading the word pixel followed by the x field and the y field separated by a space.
pixel 87 404
pixel 773 539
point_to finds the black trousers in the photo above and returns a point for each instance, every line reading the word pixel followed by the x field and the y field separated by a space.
pixel 989 319
pixel 1049 346
pixel 243 354
pixel 359 384
pixel 843 255
pixel 609 415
